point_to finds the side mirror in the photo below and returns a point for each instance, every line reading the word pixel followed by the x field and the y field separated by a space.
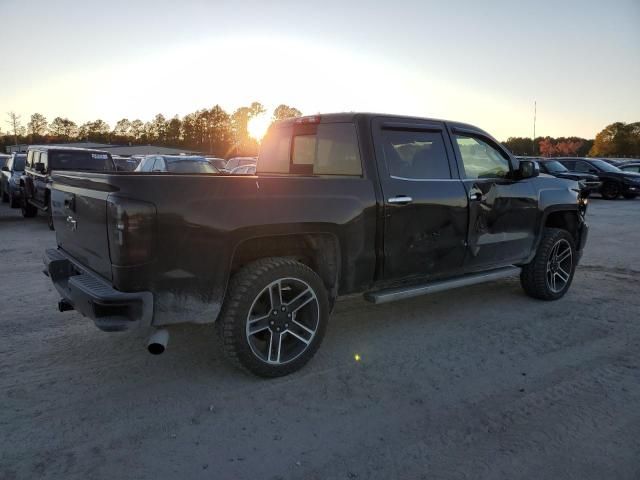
pixel 5 169
pixel 39 167
pixel 528 169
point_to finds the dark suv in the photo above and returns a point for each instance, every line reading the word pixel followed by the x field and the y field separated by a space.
pixel 589 183
pixel 35 183
pixel 615 182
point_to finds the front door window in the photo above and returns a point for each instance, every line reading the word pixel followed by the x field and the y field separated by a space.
pixel 481 160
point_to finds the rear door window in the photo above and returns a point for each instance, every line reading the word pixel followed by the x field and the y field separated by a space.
pixel 583 167
pixel 45 161
pixel 415 155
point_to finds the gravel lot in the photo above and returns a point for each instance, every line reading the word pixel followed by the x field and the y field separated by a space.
pixel 476 383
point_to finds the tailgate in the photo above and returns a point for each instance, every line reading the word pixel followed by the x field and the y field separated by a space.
pixel 80 220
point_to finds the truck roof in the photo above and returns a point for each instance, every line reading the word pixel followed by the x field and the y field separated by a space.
pixel 59 148
pixel 352 116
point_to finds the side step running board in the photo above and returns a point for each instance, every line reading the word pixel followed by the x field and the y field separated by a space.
pixel 400 293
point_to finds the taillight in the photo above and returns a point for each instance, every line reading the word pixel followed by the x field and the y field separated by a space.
pixel 131 226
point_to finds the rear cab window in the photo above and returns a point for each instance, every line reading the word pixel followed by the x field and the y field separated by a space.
pixel 311 149
pixel 80 160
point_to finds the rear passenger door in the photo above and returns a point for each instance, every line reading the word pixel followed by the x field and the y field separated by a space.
pixel 41 179
pixel 425 203
pixel 585 167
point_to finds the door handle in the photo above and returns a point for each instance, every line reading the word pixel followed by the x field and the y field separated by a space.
pixel 475 196
pixel 401 200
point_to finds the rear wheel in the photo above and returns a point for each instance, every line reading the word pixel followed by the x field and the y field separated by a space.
pixel 5 195
pixel 50 215
pixel 629 196
pixel 610 190
pixel 550 273
pixel 28 210
pixel 274 317
pixel 13 201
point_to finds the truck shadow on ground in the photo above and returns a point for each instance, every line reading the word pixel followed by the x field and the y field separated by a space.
pixel 193 353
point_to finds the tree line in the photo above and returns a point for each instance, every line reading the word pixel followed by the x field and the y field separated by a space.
pixel 217 132
pixel 616 140
pixel 213 131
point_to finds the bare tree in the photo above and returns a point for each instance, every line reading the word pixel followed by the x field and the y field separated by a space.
pixel 14 124
pixel 37 126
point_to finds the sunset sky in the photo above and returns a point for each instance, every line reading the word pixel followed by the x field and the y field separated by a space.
pixel 479 62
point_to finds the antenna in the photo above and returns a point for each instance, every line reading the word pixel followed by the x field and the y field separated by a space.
pixel 534 126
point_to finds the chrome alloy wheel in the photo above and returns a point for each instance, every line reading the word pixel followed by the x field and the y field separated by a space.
pixel 282 321
pixel 559 266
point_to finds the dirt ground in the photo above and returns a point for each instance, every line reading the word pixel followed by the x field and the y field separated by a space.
pixel 476 383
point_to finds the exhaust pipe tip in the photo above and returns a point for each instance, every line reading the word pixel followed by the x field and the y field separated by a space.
pixel 65 306
pixel 158 341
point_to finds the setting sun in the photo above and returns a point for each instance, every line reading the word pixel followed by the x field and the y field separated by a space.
pixel 257 126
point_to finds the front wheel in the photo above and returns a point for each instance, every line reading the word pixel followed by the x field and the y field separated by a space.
pixel 610 191
pixel 274 317
pixel 5 195
pixel 629 196
pixel 13 201
pixel 550 273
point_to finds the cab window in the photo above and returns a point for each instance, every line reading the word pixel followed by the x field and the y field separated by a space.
pixel 480 159
pixel 415 155
pixel 324 149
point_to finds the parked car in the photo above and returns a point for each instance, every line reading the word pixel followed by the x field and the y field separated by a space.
pixel 390 206
pixel 633 167
pixel 125 164
pixel 615 182
pixel 244 170
pixel 219 163
pixel 4 159
pixel 588 182
pixel 612 161
pixel 236 162
pixel 35 183
pixel 175 164
pixel 10 179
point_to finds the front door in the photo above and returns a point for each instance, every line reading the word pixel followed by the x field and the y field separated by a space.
pixel 425 204
pixel 503 211
pixel 41 179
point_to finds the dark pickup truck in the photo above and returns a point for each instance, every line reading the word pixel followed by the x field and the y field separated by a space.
pixel 35 183
pixel 388 206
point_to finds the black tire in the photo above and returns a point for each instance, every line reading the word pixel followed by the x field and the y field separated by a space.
pixel 13 201
pixel 28 210
pixel 539 277
pixel 50 215
pixel 629 196
pixel 245 294
pixel 5 196
pixel 610 190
